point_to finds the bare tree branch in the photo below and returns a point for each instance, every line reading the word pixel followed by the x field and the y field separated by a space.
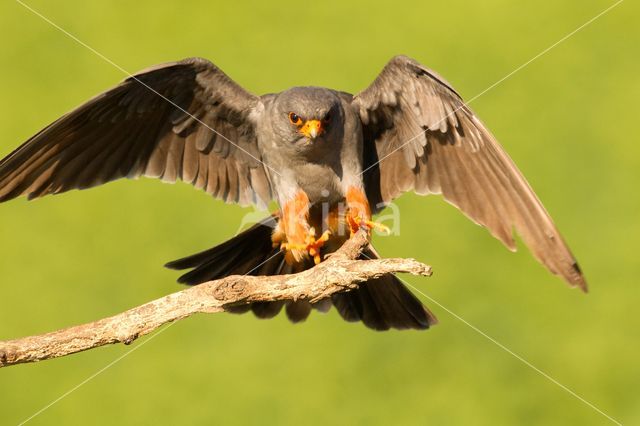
pixel 340 272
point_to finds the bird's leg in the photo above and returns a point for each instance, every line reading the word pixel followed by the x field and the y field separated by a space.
pixel 359 212
pixel 299 237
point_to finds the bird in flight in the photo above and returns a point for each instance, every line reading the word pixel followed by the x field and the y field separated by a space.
pixel 329 159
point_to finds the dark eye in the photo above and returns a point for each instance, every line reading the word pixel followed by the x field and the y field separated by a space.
pixel 293 117
pixel 327 117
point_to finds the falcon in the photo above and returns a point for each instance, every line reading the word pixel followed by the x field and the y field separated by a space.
pixel 330 160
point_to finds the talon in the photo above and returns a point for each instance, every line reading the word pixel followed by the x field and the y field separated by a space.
pixel 325 236
pixel 311 245
pixel 377 225
pixel 355 223
pixel 314 251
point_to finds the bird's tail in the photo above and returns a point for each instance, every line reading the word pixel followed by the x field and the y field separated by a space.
pixel 381 303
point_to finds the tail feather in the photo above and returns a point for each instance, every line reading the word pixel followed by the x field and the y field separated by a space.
pixel 381 303
pixel 249 252
pixel 298 311
pixel 266 310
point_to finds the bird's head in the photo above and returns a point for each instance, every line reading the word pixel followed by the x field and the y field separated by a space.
pixel 307 116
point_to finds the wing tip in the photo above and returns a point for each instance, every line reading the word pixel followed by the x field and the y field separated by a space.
pixel 577 278
pixel 582 285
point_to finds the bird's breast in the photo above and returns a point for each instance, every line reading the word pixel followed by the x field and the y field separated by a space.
pixel 321 182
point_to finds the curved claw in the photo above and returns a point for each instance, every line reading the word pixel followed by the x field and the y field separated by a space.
pixel 311 245
pixel 355 223
pixel 377 225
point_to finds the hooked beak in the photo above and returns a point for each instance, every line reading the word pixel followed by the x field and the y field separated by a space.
pixel 312 129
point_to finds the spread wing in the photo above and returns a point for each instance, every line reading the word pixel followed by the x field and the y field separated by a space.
pixel 183 120
pixel 419 135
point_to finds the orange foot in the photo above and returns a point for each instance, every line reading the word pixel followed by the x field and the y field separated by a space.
pixel 357 222
pixel 311 245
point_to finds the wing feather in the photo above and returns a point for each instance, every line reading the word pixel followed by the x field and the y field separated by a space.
pixel 421 136
pixel 156 124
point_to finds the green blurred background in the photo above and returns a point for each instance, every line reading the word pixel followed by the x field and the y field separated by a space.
pixel 569 120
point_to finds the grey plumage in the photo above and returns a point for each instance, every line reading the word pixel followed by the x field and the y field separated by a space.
pixel 409 130
pixel 157 125
pixel 431 142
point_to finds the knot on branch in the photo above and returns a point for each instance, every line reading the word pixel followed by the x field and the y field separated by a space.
pixel 229 290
